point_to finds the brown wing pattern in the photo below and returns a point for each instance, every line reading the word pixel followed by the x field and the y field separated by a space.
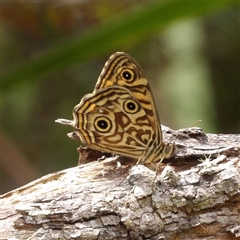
pixel 111 119
pixel 122 70
pixel 120 115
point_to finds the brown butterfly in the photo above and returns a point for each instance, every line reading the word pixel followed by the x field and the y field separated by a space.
pixel 120 116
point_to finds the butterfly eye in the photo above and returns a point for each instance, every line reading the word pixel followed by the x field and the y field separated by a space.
pixel 127 75
pixel 102 124
pixel 130 106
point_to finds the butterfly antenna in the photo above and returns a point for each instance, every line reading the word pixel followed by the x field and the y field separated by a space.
pixel 194 124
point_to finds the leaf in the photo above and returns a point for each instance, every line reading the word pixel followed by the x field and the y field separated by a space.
pixel 130 27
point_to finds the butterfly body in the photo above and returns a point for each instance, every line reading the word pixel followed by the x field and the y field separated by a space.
pixel 120 115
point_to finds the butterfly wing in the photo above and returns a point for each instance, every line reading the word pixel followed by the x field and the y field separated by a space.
pixel 113 120
pixel 122 70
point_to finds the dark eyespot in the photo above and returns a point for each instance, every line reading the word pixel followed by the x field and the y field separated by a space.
pixel 130 106
pixel 102 124
pixel 127 75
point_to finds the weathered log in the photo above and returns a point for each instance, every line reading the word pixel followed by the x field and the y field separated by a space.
pixel 195 195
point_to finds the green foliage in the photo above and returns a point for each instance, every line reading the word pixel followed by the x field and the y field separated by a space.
pixel 124 29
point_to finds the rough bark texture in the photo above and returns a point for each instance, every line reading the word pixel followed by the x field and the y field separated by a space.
pixel 190 198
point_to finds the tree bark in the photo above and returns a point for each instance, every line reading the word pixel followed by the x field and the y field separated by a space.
pixel 194 195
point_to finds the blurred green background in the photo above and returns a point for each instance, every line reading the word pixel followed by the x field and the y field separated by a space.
pixel 52 53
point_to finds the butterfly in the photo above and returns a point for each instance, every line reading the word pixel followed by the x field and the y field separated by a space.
pixel 120 115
